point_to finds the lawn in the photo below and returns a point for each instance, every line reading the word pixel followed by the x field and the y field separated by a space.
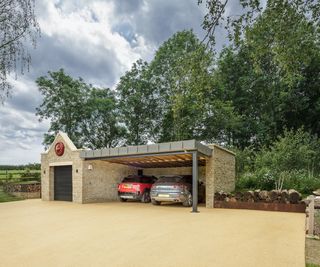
pixel 5 197
pixel 4 174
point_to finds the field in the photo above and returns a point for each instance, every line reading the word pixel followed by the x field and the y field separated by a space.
pixel 19 175
pixel 16 176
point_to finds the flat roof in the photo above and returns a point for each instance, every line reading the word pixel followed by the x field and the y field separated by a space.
pixel 170 154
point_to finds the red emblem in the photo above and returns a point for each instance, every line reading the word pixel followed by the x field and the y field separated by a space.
pixel 59 148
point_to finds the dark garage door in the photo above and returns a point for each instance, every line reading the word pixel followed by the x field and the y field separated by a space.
pixel 63 183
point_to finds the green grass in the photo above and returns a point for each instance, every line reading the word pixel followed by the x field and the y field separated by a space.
pixel 28 182
pixel 312 265
pixel 5 197
pixel 15 173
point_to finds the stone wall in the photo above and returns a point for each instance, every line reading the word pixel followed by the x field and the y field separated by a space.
pixel 220 173
pixel 175 171
pixel 100 183
pixel 210 181
pixel 23 190
pixel 224 170
pixel 49 160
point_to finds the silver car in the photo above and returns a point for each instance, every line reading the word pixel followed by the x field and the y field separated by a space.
pixel 175 189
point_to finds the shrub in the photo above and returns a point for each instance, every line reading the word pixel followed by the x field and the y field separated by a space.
pixel 294 151
pixel 262 179
pixel 301 181
pixel 246 181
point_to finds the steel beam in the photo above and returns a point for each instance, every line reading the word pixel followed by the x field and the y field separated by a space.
pixel 195 173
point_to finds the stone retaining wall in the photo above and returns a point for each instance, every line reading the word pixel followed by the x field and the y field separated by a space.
pixel 23 190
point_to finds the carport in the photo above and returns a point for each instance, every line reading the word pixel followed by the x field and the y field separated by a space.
pixel 190 153
pixel 90 176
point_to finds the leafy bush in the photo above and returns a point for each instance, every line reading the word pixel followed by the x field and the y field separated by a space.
pixel 301 181
pixel 294 158
pixel 294 151
pixel 262 179
pixel 265 180
pixel 246 181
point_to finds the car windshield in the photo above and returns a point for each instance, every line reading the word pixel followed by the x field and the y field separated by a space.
pixel 170 179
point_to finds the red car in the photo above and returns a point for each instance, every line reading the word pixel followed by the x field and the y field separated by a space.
pixel 136 187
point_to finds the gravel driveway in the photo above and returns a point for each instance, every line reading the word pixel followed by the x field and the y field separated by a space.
pixel 37 233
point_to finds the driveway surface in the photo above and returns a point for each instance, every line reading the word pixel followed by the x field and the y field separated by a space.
pixel 38 233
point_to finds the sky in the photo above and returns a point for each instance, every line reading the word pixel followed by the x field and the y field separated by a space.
pixel 97 40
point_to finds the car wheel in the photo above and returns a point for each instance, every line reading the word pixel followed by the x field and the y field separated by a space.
pixel 188 201
pixel 123 199
pixel 146 197
pixel 154 202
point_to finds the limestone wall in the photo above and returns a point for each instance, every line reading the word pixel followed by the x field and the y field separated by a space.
pixel 175 171
pixel 49 159
pixel 224 170
pixel 101 182
pixel 220 173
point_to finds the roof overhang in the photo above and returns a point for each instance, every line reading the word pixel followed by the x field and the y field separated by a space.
pixel 171 154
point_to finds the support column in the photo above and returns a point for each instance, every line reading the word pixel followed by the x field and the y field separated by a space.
pixel 195 181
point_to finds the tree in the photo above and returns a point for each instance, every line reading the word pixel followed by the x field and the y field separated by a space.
pixel 295 150
pixel 220 14
pixel 271 77
pixel 136 103
pixel 100 126
pixel 181 75
pixel 18 25
pixel 88 115
pixel 64 100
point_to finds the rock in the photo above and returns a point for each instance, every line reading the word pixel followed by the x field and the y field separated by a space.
pixel 317 202
pixel 233 199
pixel 317 192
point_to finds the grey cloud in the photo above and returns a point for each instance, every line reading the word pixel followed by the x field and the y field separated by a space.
pixel 165 17
pixel 24 100
pixel 93 63
pixel 128 6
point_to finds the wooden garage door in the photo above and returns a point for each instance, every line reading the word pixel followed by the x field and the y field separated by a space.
pixel 63 183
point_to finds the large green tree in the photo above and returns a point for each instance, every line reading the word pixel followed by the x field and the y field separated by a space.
pixel 239 15
pixel 186 99
pixel 63 104
pixel 270 74
pixel 100 126
pixel 88 115
pixel 136 103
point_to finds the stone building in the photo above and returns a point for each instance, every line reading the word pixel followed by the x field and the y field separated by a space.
pixel 85 176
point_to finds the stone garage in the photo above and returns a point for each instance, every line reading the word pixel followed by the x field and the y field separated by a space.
pixel 86 176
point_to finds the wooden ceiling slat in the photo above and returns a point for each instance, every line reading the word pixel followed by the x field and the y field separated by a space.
pixel 161 161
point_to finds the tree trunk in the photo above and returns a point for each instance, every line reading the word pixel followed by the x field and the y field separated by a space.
pixel 284 196
pixel 294 196
pixel 248 196
pixel 273 195
pixel 256 195
pixel 238 196
pixel 263 195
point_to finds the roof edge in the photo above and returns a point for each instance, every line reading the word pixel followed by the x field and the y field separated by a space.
pixel 177 146
pixel 223 148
